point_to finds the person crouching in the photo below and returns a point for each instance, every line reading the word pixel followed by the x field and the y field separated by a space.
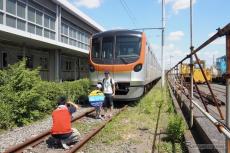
pixel 61 128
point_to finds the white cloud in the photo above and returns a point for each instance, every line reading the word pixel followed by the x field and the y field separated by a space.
pixel 170 51
pixel 88 3
pixel 182 4
pixel 177 35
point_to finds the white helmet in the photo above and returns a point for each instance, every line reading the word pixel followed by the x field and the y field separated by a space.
pixel 99 86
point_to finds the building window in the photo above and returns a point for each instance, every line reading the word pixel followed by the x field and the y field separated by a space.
pixel 71 32
pixel 68 65
pixel 52 24
pixel 31 14
pixel 46 21
pixel 38 30
pixel 74 34
pixel 44 63
pixel 70 41
pixel 1 18
pixel 31 28
pixel 11 6
pixel 46 33
pixel 64 29
pixel 21 10
pixel 1 4
pixel 52 35
pixel 64 39
pixel 10 21
pixel 39 18
pixel 21 24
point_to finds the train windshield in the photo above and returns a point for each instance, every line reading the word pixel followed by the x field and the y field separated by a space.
pixel 126 50
pixel 96 48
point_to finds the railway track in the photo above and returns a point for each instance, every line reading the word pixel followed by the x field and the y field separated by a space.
pixel 218 88
pixel 35 144
pixel 219 92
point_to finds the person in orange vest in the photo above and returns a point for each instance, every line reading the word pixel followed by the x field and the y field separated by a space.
pixel 61 128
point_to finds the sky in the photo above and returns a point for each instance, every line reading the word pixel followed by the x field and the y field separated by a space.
pixel 208 15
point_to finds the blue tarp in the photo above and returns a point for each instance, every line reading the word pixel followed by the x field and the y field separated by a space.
pixel 96 101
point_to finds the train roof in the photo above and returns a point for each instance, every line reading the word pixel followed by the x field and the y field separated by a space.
pixel 117 32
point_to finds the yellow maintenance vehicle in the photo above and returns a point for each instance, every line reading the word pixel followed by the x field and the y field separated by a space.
pixel 197 74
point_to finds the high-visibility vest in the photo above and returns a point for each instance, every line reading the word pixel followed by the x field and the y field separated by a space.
pixel 61 120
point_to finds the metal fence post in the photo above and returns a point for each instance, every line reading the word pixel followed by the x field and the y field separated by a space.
pixel 181 85
pixel 228 90
pixel 191 90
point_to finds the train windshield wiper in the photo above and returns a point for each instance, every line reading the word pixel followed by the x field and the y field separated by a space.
pixel 124 60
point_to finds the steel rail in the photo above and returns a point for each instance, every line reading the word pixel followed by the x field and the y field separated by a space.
pixel 39 138
pixel 92 133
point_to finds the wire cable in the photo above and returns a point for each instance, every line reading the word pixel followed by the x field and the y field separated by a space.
pixel 129 12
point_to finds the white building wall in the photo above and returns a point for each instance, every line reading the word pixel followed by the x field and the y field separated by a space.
pixel 37 29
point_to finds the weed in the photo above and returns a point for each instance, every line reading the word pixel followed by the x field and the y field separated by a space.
pixel 176 128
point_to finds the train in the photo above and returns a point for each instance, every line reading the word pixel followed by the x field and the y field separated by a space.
pixel 197 74
pixel 129 58
pixel 219 70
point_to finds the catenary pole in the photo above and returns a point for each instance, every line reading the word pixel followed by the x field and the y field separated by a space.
pixel 191 67
pixel 162 44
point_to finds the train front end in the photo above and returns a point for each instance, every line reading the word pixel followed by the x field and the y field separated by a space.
pixel 122 53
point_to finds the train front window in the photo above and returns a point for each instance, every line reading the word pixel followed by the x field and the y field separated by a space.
pixel 127 49
pixel 107 48
pixel 96 48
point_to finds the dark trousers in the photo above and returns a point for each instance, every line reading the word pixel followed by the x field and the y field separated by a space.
pixel 108 100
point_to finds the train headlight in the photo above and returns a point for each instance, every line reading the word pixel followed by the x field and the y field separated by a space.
pixel 138 67
pixel 91 68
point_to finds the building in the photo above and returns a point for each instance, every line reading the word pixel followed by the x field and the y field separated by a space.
pixel 52 34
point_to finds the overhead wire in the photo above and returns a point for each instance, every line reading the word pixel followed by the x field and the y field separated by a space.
pixel 129 12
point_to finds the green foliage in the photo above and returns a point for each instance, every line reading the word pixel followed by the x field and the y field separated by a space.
pixel 176 128
pixel 76 89
pixel 6 116
pixel 24 97
pixel 170 107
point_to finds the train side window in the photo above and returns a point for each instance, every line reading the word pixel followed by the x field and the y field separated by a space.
pixel 4 60
pixel 96 48
pixel 107 48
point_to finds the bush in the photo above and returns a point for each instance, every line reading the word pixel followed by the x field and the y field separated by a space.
pixel 76 89
pixel 24 97
pixel 176 128
pixel 6 116
pixel 19 92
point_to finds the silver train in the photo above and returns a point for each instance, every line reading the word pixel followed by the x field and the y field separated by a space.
pixel 129 58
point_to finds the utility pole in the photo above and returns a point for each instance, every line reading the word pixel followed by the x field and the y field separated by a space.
pixel 162 45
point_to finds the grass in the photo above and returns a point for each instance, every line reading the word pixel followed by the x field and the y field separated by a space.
pixel 141 116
